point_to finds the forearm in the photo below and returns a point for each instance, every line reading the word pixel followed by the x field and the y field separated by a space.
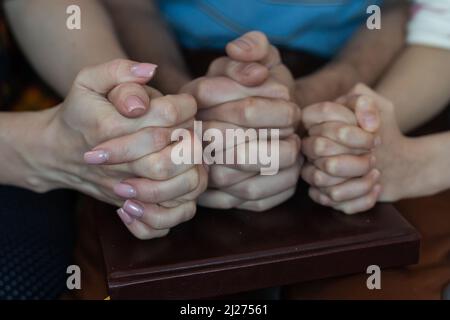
pixel 146 37
pixel 363 59
pixel 56 52
pixel 25 149
pixel 418 84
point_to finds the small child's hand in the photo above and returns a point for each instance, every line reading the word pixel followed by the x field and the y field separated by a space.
pixel 341 166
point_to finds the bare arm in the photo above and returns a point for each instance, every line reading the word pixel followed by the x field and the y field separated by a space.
pixel 418 84
pixel 148 38
pixel 57 53
pixel 364 59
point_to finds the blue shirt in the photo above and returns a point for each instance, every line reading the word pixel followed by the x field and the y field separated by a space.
pixel 321 27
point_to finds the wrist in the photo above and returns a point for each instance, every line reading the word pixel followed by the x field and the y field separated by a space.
pixel 327 84
pixel 413 170
pixel 433 156
pixel 27 154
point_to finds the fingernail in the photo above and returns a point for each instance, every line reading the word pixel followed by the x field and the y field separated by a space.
pixel 249 69
pixel 242 44
pixel 96 157
pixel 369 118
pixel 125 217
pixel 133 209
pixel 144 70
pixel 377 141
pixel 125 191
pixel 134 103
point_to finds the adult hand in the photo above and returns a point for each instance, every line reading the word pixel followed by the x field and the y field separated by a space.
pixel 129 151
pixel 250 88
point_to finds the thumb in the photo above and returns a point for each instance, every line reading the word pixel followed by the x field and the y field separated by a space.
pixel 251 47
pixel 104 77
pixel 366 111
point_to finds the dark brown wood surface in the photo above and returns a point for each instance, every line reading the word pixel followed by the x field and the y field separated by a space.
pixel 226 252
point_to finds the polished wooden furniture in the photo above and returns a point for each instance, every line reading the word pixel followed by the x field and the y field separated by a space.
pixel 225 252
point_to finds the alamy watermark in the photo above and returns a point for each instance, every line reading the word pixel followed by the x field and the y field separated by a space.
pixel 259 147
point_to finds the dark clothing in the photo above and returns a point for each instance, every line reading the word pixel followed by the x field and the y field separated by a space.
pixel 36 243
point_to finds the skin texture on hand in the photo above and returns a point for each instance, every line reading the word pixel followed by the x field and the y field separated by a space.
pixel 127 147
pixel 341 165
pixel 250 88
pixel 352 167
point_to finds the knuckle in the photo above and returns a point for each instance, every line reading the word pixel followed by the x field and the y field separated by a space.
pixel 217 64
pixel 170 111
pixel 161 168
pixel 108 127
pixel 153 194
pixel 114 66
pixel 330 166
pixel 247 109
pixel 343 133
pixel 318 178
pixel 219 177
pixel 192 180
pixel 190 210
pixel 156 221
pixel 279 90
pixel 203 89
pixel 159 137
pixel 83 74
pixel 189 101
pixel 251 191
pixel 319 146
pixel 325 108
pixel 335 195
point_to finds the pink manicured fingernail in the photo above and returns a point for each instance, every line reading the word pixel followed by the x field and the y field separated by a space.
pixel 125 191
pixel 242 44
pixel 125 217
pixel 133 209
pixel 249 69
pixel 96 157
pixel 134 103
pixel 143 70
